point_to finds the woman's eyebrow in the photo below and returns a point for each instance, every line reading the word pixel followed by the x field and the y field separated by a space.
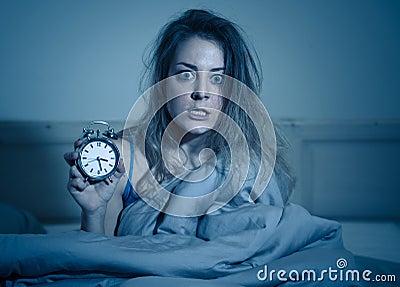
pixel 195 68
pixel 217 69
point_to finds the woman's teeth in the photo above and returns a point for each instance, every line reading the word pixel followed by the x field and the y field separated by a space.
pixel 198 113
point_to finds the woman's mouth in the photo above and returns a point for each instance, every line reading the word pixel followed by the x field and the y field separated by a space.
pixel 198 114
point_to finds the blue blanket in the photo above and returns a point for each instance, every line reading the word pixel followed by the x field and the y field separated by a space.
pixel 236 247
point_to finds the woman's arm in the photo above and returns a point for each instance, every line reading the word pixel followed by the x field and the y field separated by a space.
pixel 101 202
pixel 114 207
pixel 105 219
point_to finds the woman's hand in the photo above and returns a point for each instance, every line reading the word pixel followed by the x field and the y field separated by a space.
pixel 91 197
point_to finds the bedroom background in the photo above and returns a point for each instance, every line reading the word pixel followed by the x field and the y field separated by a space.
pixel 331 80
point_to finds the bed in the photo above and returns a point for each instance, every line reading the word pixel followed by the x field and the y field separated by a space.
pixel 219 255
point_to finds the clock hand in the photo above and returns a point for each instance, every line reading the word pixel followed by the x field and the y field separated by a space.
pixel 89 159
pixel 98 160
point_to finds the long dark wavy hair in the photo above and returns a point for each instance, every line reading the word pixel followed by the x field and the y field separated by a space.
pixel 241 63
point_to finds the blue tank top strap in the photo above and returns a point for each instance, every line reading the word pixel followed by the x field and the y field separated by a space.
pixel 129 196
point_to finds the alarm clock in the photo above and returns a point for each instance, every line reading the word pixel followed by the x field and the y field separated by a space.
pixel 98 156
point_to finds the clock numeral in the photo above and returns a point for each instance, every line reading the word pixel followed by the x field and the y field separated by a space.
pixel 105 170
pixel 110 164
pixel 86 164
pixel 98 172
pixel 91 145
pixel 99 144
pixel 105 146
pixel 84 157
pixel 110 151
pixel 91 170
pixel 86 150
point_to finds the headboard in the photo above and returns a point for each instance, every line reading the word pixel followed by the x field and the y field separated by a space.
pixel 346 169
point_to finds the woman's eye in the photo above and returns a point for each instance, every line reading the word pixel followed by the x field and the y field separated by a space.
pixel 186 75
pixel 217 79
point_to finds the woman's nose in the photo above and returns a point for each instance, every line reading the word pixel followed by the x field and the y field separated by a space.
pixel 199 95
pixel 200 87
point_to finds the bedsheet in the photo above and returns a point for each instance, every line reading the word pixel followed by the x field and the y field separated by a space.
pixel 239 247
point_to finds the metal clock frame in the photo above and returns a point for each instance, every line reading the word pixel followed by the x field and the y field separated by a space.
pixel 105 137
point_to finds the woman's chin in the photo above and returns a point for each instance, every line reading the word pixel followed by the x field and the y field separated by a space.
pixel 199 131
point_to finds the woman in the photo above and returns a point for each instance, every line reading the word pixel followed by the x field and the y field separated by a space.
pixel 202 202
pixel 197 41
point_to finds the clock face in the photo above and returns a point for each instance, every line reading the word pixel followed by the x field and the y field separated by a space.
pixel 98 159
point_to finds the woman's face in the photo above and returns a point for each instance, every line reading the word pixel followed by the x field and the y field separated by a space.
pixel 197 69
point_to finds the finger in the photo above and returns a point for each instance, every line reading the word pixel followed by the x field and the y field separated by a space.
pixel 108 180
pixel 117 174
pixel 74 173
pixel 120 169
pixel 77 143
pixel 112 179
pixel 77 184
pixel 70 187
pixel 70 157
